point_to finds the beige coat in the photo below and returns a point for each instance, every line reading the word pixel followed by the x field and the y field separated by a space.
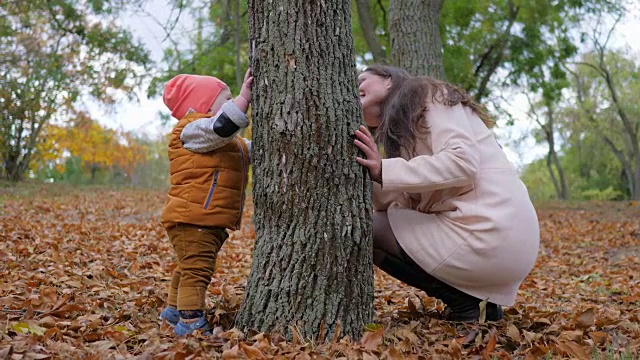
pixel 459 208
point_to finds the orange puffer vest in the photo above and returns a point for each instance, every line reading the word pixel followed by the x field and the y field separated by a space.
pixel 207 189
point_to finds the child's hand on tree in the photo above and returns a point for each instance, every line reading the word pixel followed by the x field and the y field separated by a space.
pixel 244 98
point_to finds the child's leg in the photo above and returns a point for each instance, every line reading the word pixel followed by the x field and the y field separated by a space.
pixel 173 287
pixel 170 313
pixel 197 248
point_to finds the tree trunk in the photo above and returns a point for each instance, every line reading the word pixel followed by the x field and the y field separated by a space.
pixel 236 21
pixel 369 31
pixel 632 176
pixel 12 168
pixel 629 125
pixel 491 60
pixel 554 181
pixel 94 171
pixel 414 33
pixel 636 194
pixel 552 158
pixel 560 185
pixel 312 266
pixel 564 192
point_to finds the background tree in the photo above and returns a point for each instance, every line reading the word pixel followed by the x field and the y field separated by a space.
pixel 414 33
pixel 371 28
pixel 547 123
pixel 153 171
pixel 618 76
pixel 51 52
pixel 85 148
pixel 606 84
pixel 596 149
pixel 217 45
pixel 312 266
pixel 483 45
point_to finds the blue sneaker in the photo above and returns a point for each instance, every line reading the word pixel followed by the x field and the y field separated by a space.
pixel 200 323
pixel 171 315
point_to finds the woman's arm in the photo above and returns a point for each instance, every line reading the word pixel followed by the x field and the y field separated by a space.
pixel 455 160
pixel 381 200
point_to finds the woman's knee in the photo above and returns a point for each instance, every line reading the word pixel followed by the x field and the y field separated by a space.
pixel 380 222
pixel 378 257
pixel 383 237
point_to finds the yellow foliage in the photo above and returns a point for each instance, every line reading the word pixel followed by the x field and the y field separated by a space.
pixel 92 143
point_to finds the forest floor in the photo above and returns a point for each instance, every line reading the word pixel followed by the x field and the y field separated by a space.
pixel 83 274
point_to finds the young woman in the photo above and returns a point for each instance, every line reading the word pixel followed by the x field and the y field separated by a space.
pixel 451 216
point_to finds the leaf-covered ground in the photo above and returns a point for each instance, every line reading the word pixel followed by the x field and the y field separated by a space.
pixel 83 275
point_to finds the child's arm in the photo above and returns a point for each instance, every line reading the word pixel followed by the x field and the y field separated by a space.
pixel 208 134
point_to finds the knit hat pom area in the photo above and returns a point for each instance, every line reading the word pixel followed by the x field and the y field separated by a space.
pixel 196 92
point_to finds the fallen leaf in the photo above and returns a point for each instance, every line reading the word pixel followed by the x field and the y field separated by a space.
pixel 367 356
pixel 251 352
pixel 6 352
pixel 572 336
pixel 599 337
pixel 371 340
pixel 572 349
pixel 513 333
pixel 455 350
pixel 233 353
pixel 585 319
pixel 393 354
pixel 491 345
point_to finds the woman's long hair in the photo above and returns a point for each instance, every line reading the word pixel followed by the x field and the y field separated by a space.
pixel 405 106
pixel 397 75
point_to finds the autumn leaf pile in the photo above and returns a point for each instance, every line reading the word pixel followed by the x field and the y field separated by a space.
pixel 83 275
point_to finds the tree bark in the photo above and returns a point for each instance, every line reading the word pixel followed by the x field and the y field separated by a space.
pixel 369 31
pixel 552 158
pixel 236 21
pixel 414 33
pixel 312 267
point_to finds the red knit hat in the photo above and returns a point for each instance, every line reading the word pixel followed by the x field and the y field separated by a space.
pixel 196 92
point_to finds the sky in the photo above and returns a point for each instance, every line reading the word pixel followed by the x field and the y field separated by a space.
pixel 143 116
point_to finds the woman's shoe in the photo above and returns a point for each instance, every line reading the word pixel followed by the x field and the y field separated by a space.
pixel 494 313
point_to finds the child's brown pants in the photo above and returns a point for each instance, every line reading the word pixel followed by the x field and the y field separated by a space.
pixel 196 248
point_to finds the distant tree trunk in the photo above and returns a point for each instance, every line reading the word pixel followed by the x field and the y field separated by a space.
pixel 630 125
pixel 629 155
pixel 414 32
pixel 94 171
pixel 493 57
pixel 14 167
pixel 560 184
pixel 20 133
pixel 369 31
pixel 312 266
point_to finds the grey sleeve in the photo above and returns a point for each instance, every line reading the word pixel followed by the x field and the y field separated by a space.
pixel 208 134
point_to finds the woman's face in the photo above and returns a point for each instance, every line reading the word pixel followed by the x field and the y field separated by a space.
pixel 373 92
